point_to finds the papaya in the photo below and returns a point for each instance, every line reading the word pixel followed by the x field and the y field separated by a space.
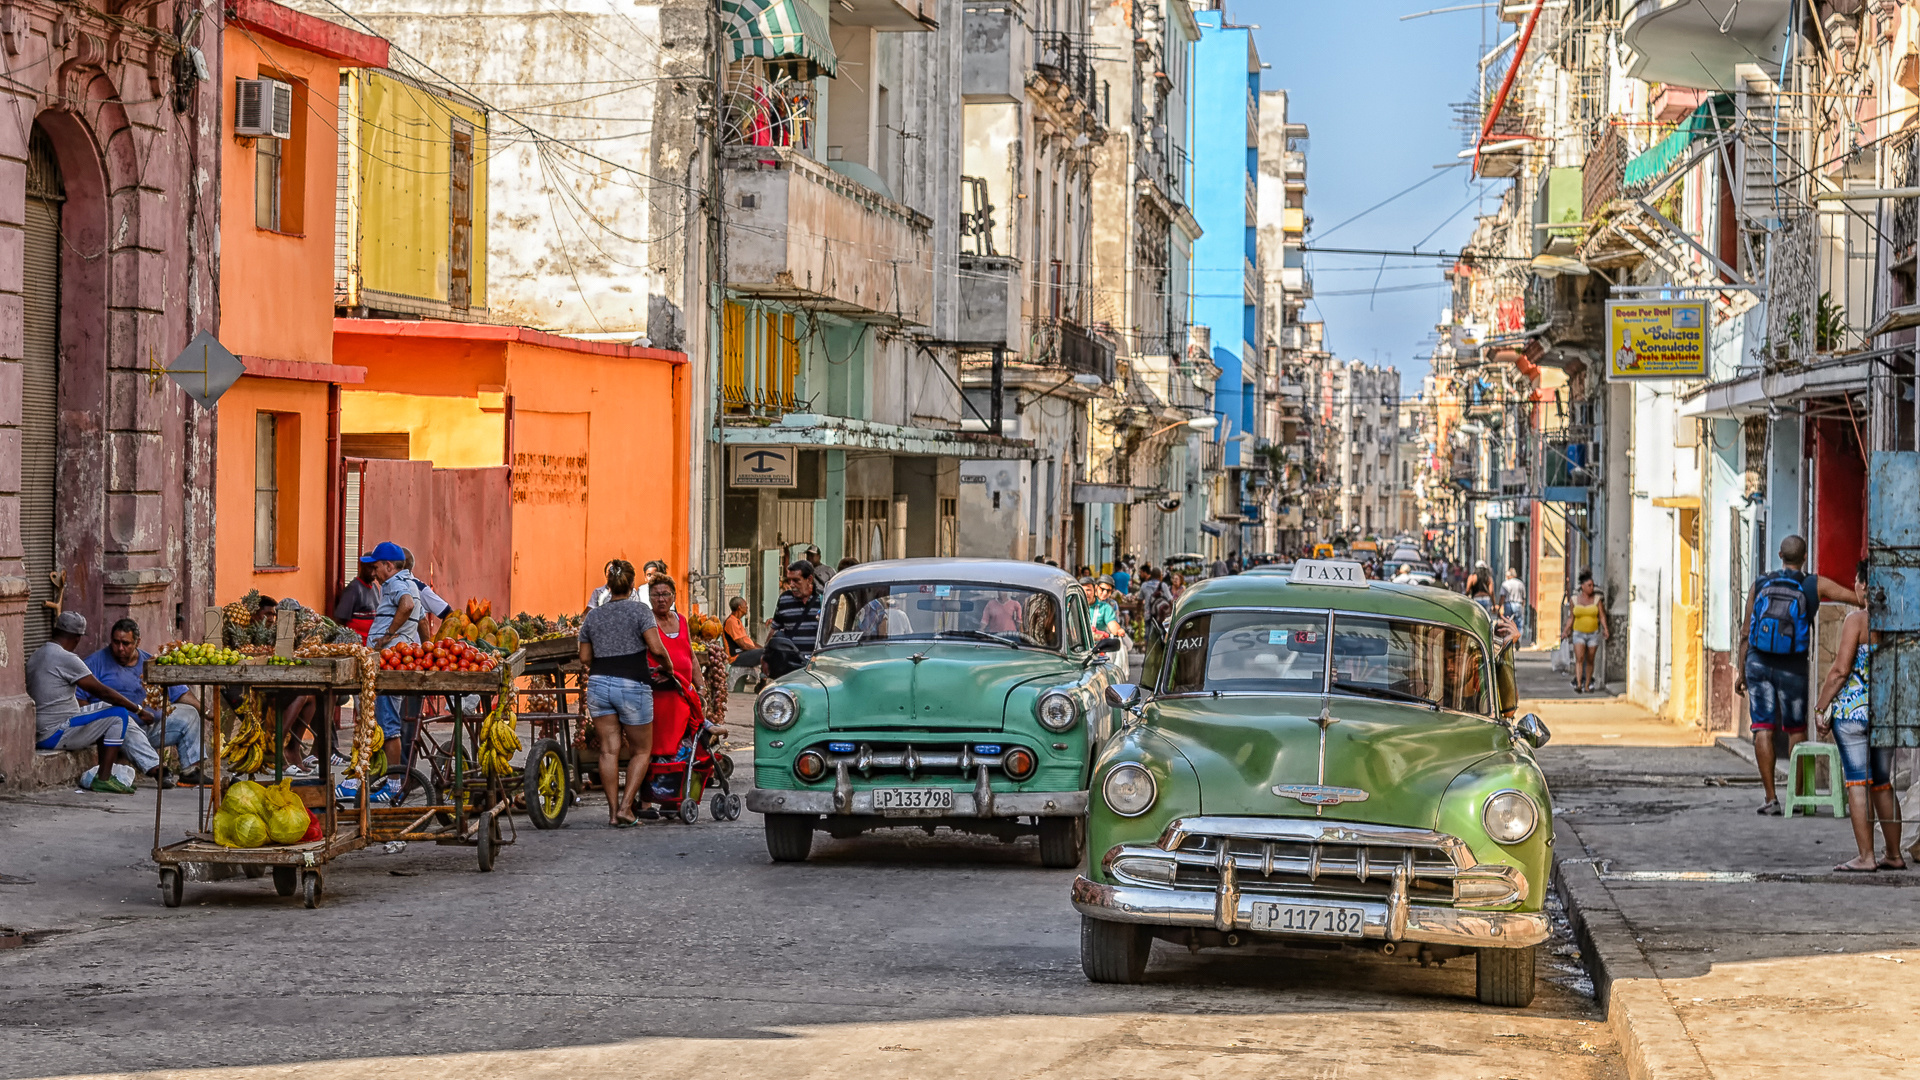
pixel 471 633
pixel 509 640
pixel 488 626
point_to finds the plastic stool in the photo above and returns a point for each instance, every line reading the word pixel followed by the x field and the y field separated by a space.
pixel 1835 799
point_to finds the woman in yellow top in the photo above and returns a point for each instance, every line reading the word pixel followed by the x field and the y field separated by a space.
pixel 1585 625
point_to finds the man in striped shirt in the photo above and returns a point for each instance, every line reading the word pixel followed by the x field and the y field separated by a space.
pixel 797 615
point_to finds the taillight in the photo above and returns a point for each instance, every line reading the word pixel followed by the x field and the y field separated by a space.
pixel 810 766
pixel 1019 763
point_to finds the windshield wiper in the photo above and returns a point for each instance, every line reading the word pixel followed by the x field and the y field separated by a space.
pixel 1385 694
pixel 981 635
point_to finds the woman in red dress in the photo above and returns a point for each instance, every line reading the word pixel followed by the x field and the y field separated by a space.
pixel 672 712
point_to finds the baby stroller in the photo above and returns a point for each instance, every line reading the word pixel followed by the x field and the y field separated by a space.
pixel 676 784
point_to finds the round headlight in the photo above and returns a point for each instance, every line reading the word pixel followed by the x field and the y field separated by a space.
pixel 1128 789
pixel 1056 710
pixel 1510 817
pixel 777 710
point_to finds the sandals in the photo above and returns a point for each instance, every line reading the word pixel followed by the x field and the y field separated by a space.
pixel 1849 868
pixel 1887 864
pixel 625 823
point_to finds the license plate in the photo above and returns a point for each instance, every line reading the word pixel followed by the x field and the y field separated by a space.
pixel 912 798
pixel 1309 919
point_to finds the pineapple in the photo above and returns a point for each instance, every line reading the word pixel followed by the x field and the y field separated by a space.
pixel 239 614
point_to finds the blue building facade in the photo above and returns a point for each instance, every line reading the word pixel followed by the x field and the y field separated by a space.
pixel 1226 165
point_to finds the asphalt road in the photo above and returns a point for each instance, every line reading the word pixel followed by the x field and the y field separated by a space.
pixel 590 951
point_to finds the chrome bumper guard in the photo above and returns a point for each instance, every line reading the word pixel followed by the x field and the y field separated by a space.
pixel 1396 920
pixel 1000 804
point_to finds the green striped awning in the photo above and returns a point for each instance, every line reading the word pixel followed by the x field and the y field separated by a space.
pixel 778 30
pixel 1713 115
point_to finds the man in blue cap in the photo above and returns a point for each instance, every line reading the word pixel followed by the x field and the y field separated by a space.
pixel 396 620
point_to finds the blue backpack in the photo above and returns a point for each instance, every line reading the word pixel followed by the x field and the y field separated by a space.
pixel 1782 618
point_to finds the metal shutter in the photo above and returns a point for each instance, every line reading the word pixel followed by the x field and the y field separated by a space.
pixel 39 420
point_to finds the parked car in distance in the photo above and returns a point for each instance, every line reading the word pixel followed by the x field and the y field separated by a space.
pixel 1320 758
pixel 959 693
pixel 1189 564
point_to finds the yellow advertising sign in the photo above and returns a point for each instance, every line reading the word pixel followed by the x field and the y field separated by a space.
pixel 1656 339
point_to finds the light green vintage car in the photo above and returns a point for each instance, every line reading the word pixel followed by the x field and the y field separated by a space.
pixel 1321 758
pixel 965 693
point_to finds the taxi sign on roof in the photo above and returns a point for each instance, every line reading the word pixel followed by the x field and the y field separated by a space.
pixel 1329 572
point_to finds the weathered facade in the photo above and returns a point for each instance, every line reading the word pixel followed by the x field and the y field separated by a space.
pixel 109 167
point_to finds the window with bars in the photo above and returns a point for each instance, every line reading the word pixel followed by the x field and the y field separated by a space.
pixel 276 488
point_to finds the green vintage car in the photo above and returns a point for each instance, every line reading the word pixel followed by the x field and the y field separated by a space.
pixel 965 693
pixel 1321 758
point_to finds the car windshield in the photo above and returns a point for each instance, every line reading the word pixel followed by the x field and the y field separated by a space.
pixel 929 611
pixel 1286 652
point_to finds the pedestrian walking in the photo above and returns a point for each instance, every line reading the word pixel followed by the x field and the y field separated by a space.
pixel 821 572
pixel 1776 631
pixel 797 616
pixel 1480 588
pixel 1868 769
pixel 615 641
pixel 1513 597
pixel 673 686
pixel 1585 626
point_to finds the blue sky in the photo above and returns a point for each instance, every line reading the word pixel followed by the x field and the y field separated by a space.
pixel 1376 94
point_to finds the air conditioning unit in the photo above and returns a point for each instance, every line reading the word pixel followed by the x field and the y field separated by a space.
pixel 263 108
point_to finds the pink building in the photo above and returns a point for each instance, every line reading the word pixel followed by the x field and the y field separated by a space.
pixel 109 209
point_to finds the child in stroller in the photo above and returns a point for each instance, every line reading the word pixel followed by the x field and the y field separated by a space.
pixel 676 783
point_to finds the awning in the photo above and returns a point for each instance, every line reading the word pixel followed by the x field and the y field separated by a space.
pixel 778 30
pixel 1644 169
pixel 842 433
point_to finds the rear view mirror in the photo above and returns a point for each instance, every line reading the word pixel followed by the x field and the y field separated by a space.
pixel 1123 695
pixel 1108 645
pixel 1529 728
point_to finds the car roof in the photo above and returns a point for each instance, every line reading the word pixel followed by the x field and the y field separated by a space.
pixel 1011 572
pixel 1272 589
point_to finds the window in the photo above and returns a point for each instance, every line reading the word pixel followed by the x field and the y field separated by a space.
pixel 1249 651
pixel 279 167
pixel 460 217
pixel 267 163
pixel 276 489
pixel 1079 634
pixel 987 614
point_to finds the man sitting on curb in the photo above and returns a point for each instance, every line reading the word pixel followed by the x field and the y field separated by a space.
pixel 119 666
pixel 54 674
pixel 1776 631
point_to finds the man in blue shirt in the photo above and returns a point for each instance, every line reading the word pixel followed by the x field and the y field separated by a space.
pixel 118 667
pixel 396 620
pixel 1122 579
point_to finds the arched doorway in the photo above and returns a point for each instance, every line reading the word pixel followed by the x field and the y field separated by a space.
pixel 40 407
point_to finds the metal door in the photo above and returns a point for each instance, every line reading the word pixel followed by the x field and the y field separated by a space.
pixel 39 420
pixel 1893 597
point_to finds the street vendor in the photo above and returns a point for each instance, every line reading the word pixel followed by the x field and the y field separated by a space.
pixel 357 602
pixel 119 666
pixel 55 675
pixel 434 604
pixel 297 711
pixel 396 620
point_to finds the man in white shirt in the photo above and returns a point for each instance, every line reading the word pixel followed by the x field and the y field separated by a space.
pixel 54 672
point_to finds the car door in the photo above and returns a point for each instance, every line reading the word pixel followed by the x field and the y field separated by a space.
pixel 1098 677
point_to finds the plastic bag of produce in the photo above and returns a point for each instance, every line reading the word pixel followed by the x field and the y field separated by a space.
pixel 313 828
pixel 235 828
pixel 247 797
pixel 286 815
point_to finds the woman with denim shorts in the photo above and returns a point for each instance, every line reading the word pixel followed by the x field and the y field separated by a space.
pixel 1869 769
pixel 615 640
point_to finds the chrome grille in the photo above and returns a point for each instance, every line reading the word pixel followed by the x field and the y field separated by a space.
pixel 1311 868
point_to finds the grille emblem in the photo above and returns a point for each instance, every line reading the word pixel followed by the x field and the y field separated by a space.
pixel 1318 795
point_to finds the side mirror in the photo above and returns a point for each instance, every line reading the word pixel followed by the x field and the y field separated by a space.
pixel 1529 728
pixel 1123 695
pixel 1107 645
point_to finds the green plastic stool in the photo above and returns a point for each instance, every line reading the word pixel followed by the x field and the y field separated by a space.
pixel 1807 754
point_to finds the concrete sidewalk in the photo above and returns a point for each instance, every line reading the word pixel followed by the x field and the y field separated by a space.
pixel 1721 942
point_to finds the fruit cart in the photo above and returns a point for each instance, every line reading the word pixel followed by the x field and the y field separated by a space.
pixel 474 807
pixel 295 867
pixel 553 693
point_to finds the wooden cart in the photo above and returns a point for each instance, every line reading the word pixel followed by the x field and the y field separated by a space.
pixel 474 808
pixel 552 784
pixel 294 867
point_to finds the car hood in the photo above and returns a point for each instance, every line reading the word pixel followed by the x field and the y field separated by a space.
pixel 1403 757
pixel 957 687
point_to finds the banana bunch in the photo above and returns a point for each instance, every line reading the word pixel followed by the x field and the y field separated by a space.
pixel 499 735
pixel 366 726
pixel 247 750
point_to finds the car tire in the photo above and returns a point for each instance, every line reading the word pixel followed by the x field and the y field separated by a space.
pixel 790 836
pixel 1062 841
pixel 1114 952
pixel 1504 977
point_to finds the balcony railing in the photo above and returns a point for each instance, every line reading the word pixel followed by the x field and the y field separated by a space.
pixel 1903 167
pixel 1600 180
pixel 768 112
pixel 1069 63
pixel 1078 351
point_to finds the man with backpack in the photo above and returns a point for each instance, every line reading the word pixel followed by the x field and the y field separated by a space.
pixel 1777 632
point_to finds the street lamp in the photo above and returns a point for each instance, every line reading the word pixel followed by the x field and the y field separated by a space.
pixel 1197 423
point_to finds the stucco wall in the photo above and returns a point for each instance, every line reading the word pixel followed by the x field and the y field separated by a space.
pixel 304 577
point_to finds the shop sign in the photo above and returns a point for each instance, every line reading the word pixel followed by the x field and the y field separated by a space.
pixel 1657 339
pixel 762 466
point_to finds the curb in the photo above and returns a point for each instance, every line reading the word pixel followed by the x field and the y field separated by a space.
pixel 1653 1039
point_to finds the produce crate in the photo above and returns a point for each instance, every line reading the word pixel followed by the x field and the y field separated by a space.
pixel 449 682
pixel 326 672
pixel 560 649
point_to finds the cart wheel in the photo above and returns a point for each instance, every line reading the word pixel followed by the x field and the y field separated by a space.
pixel 485 836
pixel 253 870
pixel 733 808
pixel 310 888
pixel 172 884
pixel 286 880
pixel 689 811
pixel 546 785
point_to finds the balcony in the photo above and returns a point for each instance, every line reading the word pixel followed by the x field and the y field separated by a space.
pixel 1074 349
pixel 897 15
pixel 1295 163
pixel 1067 64
pixel 878 267
pixel 992 61
pixel 1165 163
pixel 990 301
pixel 1682 42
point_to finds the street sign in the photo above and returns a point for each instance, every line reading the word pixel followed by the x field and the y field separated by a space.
pixel 205 369
pixel 1656 339
pixel 762 466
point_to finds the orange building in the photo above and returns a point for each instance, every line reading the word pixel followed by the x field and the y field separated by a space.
pixel 518 461
pixel 275 515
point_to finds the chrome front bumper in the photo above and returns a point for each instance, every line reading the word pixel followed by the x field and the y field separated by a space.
pixel 966 804
pixel 1396 920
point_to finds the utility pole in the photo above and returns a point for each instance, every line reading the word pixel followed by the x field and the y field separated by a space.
pixel 712 505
